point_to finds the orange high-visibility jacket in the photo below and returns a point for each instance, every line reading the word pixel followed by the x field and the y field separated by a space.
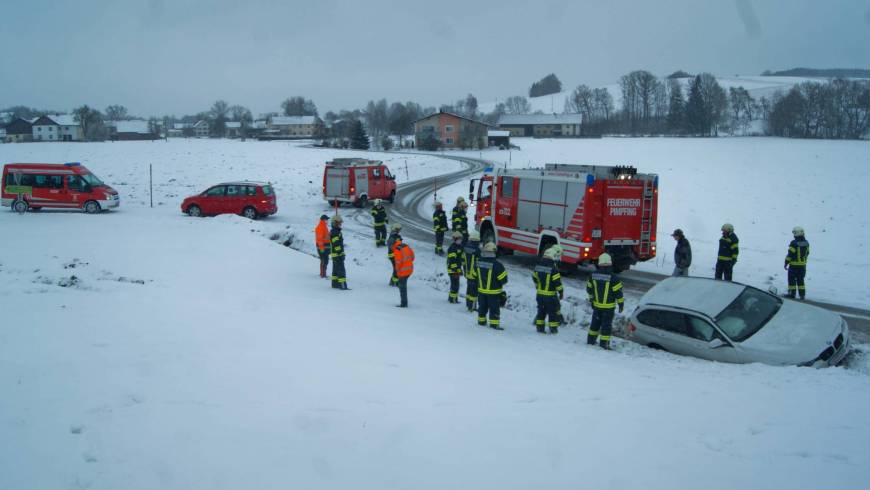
pixel 321 235
pixel 404 257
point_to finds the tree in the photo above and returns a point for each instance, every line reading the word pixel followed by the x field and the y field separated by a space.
pixel 742 106
pixel 517 104
pixel 359 140
pixel 399 120
pixel 471 106
pixel 217 116
pixel 641 95
pixel 550 84
pixel 298 106
pixel 695 116
pixel 706 106
pixel 676 107
pixel 387 143
pixel 320 132
pixel 582 101
pixel 428 142
pixel 602 103
pixel 116 113
pixel 376 118
pixel 678 74
pixel 91 122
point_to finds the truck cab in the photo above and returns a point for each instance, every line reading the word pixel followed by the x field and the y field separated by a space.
pixel 357 181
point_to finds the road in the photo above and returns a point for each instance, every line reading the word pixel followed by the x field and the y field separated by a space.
pixel 412 194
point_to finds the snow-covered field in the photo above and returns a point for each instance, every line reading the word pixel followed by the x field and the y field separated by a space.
pixel 145 349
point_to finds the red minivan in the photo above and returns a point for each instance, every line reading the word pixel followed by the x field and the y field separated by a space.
pixel 250 199
pixel 55 185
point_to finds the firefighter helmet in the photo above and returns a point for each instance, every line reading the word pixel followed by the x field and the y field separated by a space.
pixel 605 260
pixel 728 227
pixel 456 235
pixel 378 202
pixel 460 199
pixel 553 253
pixel 438 204
pixel 323 217
pixel 396 227
pixel 337 218
pixel 797 231
pixel 490 247
pixel 474 236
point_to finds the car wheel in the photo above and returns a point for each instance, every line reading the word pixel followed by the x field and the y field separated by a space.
pixel 20 206
pixel 657 347
pixel 194 210
pixel 392 197
pixel 249 212
pixel 92 207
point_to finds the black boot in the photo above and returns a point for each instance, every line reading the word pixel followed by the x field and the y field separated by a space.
pixel 554 330
pixel 591 339
pixel 605 344
pixel 540 329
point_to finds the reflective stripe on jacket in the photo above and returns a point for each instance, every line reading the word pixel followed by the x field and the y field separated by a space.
pixel 728 248
pixel 491 276
pixel 439 220
pixel 336 243
pixel 470 256
pixel 454 259
pixel 798 251
pixel 379 215
pixel 547 279
pixel 391 243
pixel 605 290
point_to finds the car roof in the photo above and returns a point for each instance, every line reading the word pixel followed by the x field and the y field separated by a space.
pixel 243 182
pixel 700 294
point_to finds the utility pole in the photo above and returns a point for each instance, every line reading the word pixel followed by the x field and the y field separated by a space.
pixel 151 184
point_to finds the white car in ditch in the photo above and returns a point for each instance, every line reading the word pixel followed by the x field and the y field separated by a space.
pixel 731 322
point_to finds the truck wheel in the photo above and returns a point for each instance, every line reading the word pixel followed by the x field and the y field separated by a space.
pixel 91 207
pixel 392 197
pixel 361 202
pixel 194 210
pixel 20 206
pixel 249 212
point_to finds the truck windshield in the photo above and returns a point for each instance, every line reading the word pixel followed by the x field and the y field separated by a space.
pixel 747 314
pixel 92 180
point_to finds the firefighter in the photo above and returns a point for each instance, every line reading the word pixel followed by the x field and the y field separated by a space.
pixel 548 284
pixel 682 254
pixel 491 278
pixel 728 251
pixel 605 294
pixel 439 223
pixel 379 220
pixel 336 253
pixel 454 266
pixel 404 259
pixel 796 263
pixel 459 218
pixel 470 256
pixel 391 242
pixel 321 238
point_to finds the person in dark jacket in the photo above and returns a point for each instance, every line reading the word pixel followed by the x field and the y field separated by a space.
pixel 682 254
pixel 454 266
pixel 379 221
pixel 548 285
pixel 491 278
pixel 336 253
pixel 439 225
pixel 605 294
pixel 796 263
pixel 391 242
pixel 728 250
pixel 459 218
pixel 470 256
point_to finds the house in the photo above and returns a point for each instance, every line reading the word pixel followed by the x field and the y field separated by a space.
pixel 293 126
pixel 447 130
pixel 542 125
pixel 499 138
pixel 19 130
pixel 2 134
pixel 201 129
pixel 58 127
pixel 234 129
pixel 135 130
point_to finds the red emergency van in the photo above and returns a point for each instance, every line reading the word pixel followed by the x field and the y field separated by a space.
pixel 357 181
pixel 55 185
pixel 587 209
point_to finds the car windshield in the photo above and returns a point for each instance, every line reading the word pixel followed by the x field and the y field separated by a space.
pixel 92 180
pixel 747 314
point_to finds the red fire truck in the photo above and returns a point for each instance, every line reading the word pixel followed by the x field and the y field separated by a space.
pixel 587 209
pixel 357 181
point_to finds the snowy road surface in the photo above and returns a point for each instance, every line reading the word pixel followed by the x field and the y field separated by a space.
pixel 146 349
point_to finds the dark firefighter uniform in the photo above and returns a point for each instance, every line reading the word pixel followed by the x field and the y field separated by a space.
pixel 548 283
pixel 605 293
pixel 391 243
pixel 336 253
pixel 459 219
pixel 491 277
pixel 796 263
pixel 470 256
pixel 379 217
pixel 454 269
pixel 439 225
pixel 728 250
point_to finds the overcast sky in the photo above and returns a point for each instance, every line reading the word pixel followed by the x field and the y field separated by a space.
pixel 178 56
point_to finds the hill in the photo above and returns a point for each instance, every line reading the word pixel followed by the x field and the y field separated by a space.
pixel 821 72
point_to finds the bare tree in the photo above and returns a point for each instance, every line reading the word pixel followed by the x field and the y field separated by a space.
pixel 582 101
pixel 116 113
pixel 298 106
pixel 517 104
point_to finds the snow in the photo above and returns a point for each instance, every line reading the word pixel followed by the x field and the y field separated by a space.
pixel 190 353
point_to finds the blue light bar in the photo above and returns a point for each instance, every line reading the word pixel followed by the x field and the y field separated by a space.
pixel 590 180
pixel 73 164
pixel 487 169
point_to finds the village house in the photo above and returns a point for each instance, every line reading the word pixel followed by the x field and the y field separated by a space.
pixel 19 130
pixel 542 125
pixel 58 127
pixel 294 126
pixel 448 130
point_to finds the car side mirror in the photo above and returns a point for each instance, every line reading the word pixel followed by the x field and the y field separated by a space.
pixel 716 343
pixel 772 290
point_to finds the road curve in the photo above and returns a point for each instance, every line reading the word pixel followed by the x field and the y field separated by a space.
pixel 415 225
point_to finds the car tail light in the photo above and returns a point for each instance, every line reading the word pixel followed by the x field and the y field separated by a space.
pixel 265 202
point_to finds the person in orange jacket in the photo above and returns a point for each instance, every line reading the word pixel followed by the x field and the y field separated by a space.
pixel 404 257
pixel 321 238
